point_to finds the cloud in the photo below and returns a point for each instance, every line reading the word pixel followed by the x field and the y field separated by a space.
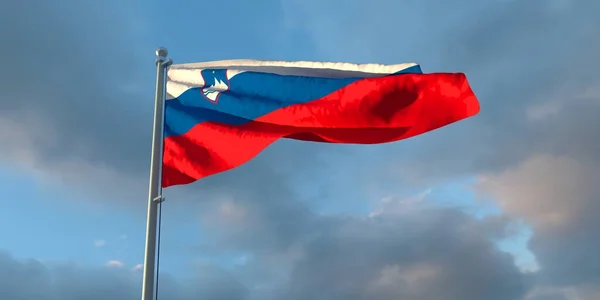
pixel 138 268
pixel 407 256
pixel 99 243
pixel 115 264
pixel 393 254
pixel 68 99
pixel 550 192
pixel 536 145
pixel 31 279
pixel 558 197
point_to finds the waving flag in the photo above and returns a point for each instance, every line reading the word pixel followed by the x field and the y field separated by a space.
pixel 219 115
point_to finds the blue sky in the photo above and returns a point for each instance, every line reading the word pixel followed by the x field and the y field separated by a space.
pixel 432 216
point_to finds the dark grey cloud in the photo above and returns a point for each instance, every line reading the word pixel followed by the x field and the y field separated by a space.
pixel 405 249
pixel 32 279
pixel 535 140
pixel 412 253
pixel 411 256
pixel 542 121
pixel 72 75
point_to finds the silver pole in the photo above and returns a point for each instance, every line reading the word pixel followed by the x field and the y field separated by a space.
pixel 155 186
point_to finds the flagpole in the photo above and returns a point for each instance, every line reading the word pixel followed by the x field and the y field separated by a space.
pixel 155 185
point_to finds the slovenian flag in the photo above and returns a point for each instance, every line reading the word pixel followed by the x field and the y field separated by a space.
pixel 219 115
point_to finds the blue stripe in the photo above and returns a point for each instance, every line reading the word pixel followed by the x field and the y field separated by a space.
pixel 250 96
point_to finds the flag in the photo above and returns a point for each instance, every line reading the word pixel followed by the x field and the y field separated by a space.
pixel 219 115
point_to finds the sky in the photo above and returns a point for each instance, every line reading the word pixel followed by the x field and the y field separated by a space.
pixel 502 206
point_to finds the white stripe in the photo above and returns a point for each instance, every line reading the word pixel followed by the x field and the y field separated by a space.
pixel 182 77
pixel 290 67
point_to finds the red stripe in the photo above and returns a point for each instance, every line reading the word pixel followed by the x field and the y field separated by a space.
pixel 369 111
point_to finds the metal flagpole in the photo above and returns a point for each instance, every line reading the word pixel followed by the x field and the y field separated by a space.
pixel 155 186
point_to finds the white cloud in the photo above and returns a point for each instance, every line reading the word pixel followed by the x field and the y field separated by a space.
pixel 138 267
pixel 99 243
pixel 115 264
pixel 396 205
pixel 544 110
